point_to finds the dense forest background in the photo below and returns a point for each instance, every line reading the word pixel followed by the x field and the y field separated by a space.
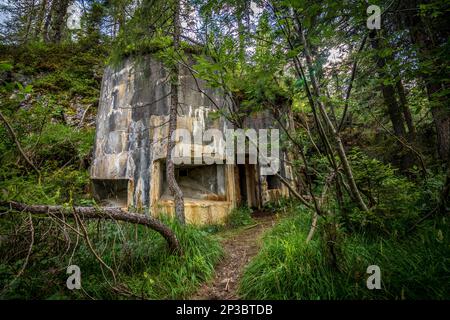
pixel 366 121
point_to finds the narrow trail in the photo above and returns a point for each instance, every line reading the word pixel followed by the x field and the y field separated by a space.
pixel 239 247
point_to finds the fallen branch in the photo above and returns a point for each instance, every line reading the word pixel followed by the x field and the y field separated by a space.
pixel 80 125
pixel 116 214
pixel 91 247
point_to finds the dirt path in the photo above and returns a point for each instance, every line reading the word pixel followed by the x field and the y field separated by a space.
pixel 239 247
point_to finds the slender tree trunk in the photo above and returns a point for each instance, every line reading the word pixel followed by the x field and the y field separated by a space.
pixel 395 110
pixel 40 20
pixel 335 134
pixel 388 91
pixel 59 16
pixel 174 188
pixel 427 38
pixel 444 201
pixel 31 16
pixel 48 21
pixel 405 108
pixel 441 116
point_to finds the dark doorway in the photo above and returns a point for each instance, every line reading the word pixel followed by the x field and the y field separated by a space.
pixel 273 182
pixel 248 185
pixel 243 184
pixel 111 193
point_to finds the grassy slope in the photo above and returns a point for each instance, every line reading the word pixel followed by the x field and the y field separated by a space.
pixel 48 82
pixel 417 267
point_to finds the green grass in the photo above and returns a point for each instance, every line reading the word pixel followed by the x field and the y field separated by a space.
pixel 61 77
pixel 239 217
pixel 417 267
pixel 138 255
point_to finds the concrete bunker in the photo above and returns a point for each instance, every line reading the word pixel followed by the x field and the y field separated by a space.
pixel 111 192
pixel 128 167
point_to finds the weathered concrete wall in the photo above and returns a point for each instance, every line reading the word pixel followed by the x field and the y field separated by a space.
pixel 131 122
pixel 131 142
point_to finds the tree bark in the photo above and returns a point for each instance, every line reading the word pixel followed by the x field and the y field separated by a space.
pixel 406 112
pixel 31 16
pixel 350 86
pixel 48 21
pixel 40 19
pixel 388 90
pixel 336 136
pixel 428 37
pixel 102 213
pixel 60 11
pixel 395 110
pixel 174 188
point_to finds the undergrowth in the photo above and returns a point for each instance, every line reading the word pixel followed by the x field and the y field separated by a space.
pixel 239 217
pixel 142 264
pixel 416 267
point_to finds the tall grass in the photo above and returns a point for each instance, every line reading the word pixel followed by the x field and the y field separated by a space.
pixel 143 266
pixel 417 267
pixel 239 217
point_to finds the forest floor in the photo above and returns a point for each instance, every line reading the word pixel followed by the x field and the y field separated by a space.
pixel 240 246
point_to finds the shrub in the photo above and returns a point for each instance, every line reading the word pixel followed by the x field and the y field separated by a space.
pixel 239 217
pixel 393 199
pixel 143 265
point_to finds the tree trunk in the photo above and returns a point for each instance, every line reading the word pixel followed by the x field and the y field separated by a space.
pixel 336 136
pixel 428 37
pixel 174 188
pixel 444 201
pixel 40 20
pixel 31 16
pixel 388 91
pixel 48 21
pixel 395 110
pixel 60 11
pixel 101 213
pixel 406 112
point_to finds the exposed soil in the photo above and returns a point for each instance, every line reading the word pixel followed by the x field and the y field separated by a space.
pixel 239 247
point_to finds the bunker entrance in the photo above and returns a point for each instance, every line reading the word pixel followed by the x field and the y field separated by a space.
pixel 273 182
pixel 248 187
pixel 111 193
pixel 200 182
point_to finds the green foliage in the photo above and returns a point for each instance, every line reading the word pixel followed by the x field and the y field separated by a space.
pixel 58 144
pixel 42 86
pixel 64 70
pixel 65 185
pixel 148 31
pixel 124 48
pixel 36 99
pixel 415 268
pixel 139 256
pixel 61 152
pixel 239 217
pixel 393 199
